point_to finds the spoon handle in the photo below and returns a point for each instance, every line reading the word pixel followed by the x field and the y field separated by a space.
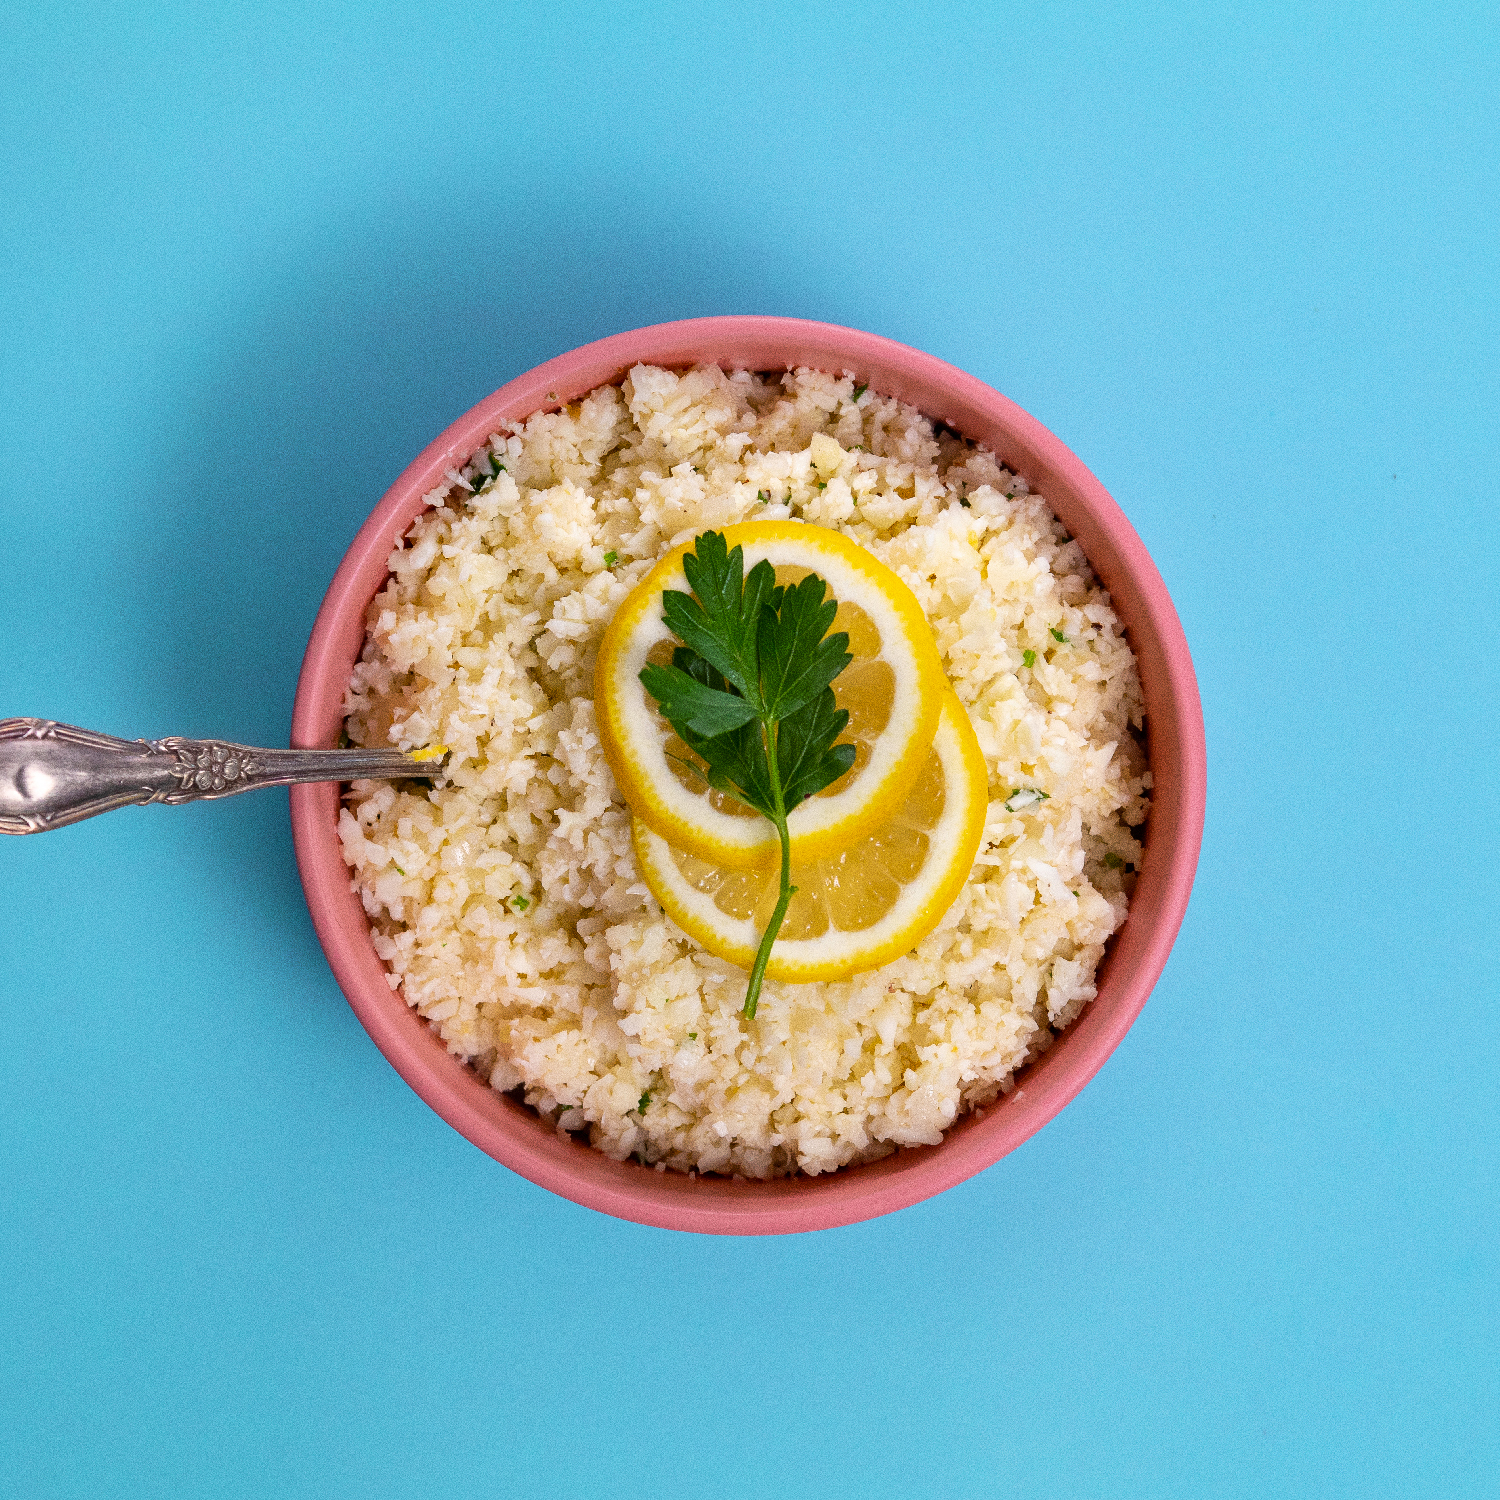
pixel 53 774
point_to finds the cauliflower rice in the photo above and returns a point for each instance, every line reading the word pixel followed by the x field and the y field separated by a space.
pixel 506 901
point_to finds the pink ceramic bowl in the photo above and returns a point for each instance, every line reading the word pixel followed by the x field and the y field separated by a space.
pixel 514 1135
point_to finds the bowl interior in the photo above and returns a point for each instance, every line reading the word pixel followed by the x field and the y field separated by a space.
pixel 514 1134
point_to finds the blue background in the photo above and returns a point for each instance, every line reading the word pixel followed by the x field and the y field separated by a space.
pixel 1244 260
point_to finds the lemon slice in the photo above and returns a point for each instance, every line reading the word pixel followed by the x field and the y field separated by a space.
pixel 892 690
pixel 858 908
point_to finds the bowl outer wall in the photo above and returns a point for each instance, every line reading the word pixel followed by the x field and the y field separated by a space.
pixel 513 1134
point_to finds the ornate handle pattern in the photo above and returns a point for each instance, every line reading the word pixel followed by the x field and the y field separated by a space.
pixel 55 774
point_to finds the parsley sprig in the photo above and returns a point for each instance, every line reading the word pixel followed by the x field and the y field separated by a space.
pixel 749 693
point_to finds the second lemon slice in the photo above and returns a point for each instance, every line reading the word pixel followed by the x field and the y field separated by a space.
pixel 892 690
pixel 859 908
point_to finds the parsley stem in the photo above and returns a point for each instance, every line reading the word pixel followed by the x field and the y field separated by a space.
pixel 756 657
pixel 788 890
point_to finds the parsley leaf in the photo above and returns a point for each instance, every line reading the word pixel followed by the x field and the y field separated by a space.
pixel 611 558
pixel 859 391
pixel 707 711
pixel 798 658
pixel 750 693
pixel 487 469
pixel 642 1106
pixel 1057 635
pixel 719 619
pixel 806 756
pixel 1026 796
pixel 1028 658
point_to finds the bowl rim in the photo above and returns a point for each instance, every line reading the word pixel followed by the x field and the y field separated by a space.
pixel 515 1135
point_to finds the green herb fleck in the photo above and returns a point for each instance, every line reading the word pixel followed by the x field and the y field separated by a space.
pixel 519 902
pixel 1057 635
pixel 692 1036
pixel 1112 861
pixel 822 484
pixel 1024 796
pixel 859 391
pixel 400 871
pixel 749 692
pixel 611 558
pixel 1028 658
pixel 643 1105
pixel 763 497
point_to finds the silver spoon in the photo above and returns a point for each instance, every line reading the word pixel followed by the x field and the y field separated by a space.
pixel 53 774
